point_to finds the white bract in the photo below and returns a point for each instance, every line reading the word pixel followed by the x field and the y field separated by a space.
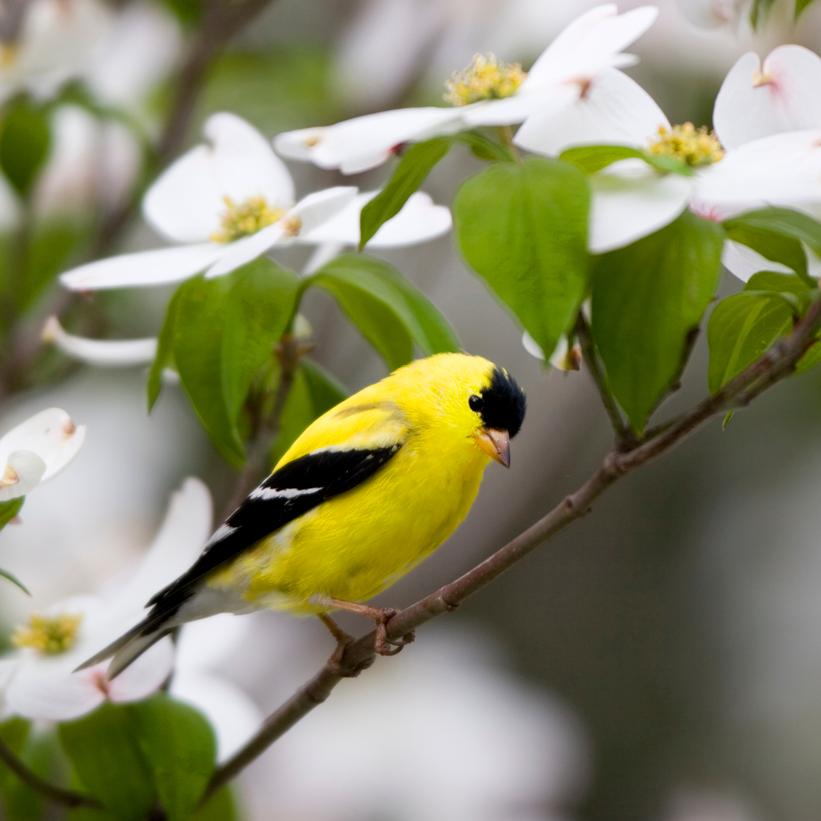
pixel 39 682
pixel 631 200
pixel 36 450
pixel 230 201
pixel 487 93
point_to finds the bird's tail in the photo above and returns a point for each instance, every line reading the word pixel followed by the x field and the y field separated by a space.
pixel 131 645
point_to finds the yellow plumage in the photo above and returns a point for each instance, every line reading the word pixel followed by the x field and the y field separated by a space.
pixel 357 544
pixel 367 491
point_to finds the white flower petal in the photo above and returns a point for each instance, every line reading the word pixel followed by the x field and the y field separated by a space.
pixel 315 209
pixel 783 169
pixel 46 689
pixel 711 13
pixel 590 44
pixel 179 540
pixel 757 100
pixel 51 436
pixel 184 204
pixel 232 714
pixel 628 207
pixel 743 262
pixel 23 471
pixel 614 109
pixel 143 269
pixel 245 165
pixel 364 142
pixel 145 676
pixel 100 352
pixel 532 346
pixel 238 253
pixel 418 221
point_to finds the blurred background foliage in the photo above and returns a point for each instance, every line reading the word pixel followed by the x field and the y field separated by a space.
pixel 673 635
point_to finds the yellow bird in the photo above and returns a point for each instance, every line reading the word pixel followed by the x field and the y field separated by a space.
pixel 365 493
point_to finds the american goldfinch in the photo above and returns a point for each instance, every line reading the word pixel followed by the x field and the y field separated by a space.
pixel 364 494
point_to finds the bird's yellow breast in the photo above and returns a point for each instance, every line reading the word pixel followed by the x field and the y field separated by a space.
pixel 356 544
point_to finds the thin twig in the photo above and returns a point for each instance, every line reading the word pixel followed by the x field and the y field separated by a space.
pixel 624 436
pixel 770 368
pixel 55 794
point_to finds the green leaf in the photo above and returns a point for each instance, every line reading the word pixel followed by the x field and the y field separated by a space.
pixel 648 298
pixel 416 163
pixel 740 329
pixel 593 158
pixel 389 311
pixel 800 6
pixel 108 762
pixel 10 577
pixel 164 357
pixel 219 807
pixel 224 330
pixel 313 392
pixel 9 509
pixel 179 745
pixel 25 141
pixel 810 359
pixel 483 148
pixel 759 10
pixel 523 229
pixel 777 234
pixel 788 287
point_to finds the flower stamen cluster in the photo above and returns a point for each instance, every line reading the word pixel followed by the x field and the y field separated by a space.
pixel 245 218
pixel 695 146
pixel 486 78
pixel 48 635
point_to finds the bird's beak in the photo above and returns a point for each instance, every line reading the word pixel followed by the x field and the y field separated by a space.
pixel 496 444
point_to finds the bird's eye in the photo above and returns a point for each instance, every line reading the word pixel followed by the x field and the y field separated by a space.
pixel 475 403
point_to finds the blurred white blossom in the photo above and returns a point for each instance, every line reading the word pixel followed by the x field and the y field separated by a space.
pixel 36 450
pixel 488 92
pixel 40 678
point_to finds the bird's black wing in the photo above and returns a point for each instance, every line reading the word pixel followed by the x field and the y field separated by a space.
pixel 290 492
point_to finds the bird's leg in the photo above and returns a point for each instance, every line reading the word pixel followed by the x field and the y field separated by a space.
pixel 342 639
pixel 381 616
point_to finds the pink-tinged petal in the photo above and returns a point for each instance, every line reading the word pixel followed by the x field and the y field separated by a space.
pixel 232 714
pixel 45 689
pixel 186 201
pixel 590 44
pixel 614 109
pixel 629 206
pixel 365 142
pixel 418 221
pixel 743 262
pixel 36 450
pixel 144 677
pixel 104 353
pixel 143 269
pixel 245 165
pixel 247 249
pixel 711 13
pixel 758 100
pixel 783 169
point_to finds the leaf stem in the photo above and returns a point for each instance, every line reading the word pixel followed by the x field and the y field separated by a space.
pixel 505 132
pixel 778 362
pixel 590 357
pixel 53 793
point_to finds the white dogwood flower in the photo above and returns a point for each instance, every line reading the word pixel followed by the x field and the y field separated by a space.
pixel 39 682
pixel 488 92
pixel 632 200
pixel 36 450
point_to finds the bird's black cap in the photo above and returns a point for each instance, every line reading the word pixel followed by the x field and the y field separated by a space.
pixel 503 403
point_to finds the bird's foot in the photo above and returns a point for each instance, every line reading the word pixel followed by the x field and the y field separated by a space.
pixel 383 645
pixel 336 662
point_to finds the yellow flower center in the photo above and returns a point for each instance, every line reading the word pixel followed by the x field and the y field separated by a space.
pixel 48 635
pixel 694 146
pixel 484 79
pixel 245 218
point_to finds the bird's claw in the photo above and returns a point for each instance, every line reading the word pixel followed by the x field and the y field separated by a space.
pixel 385 646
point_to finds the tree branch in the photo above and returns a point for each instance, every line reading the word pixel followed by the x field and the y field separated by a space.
pixel 590 357
pixel 778 362
pixel 53 793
